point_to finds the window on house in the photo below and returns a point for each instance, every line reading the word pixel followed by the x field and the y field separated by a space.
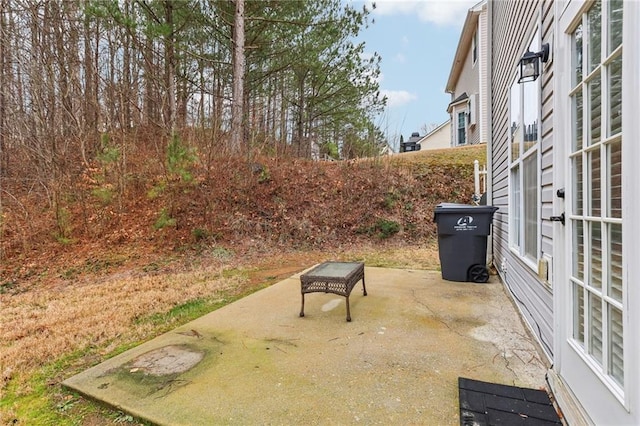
pixel 595 218
pixel 474 46
pixel 524 167
pixel 462 128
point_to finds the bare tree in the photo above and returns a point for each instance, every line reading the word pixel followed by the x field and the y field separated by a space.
pixel 3 87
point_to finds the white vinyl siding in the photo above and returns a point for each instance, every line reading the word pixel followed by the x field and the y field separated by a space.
pixel 483 80
pixel 471 80
pixel 511 26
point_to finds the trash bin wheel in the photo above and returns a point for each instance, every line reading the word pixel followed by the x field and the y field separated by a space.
pixel 478 274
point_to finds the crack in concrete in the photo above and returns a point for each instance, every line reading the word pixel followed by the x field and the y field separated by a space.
pixel 434 314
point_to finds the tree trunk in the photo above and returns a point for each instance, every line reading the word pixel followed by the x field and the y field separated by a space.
pixel 149 115
pixel 237 111
pixel 3 87
pixel 91 89
pixel 170 67
pixel 301 75
pixel 127 94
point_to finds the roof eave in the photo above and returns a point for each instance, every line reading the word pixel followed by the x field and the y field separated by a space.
pixel 462 99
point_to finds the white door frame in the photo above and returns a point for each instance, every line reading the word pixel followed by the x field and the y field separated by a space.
pixel 572 380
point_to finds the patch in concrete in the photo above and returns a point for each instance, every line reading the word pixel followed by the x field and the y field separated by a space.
pixel 172 359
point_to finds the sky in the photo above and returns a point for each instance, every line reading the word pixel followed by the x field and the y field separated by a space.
pixel 417 40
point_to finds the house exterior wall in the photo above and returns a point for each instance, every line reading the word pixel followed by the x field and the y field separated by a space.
pixel 483 80
pixel 547 19
pixel 438 138
pixel 513 25
pixel 469 82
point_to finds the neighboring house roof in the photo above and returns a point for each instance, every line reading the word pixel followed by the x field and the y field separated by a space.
pixel 428 141
pixel 460 99
pixel 469 28
pixel 437 129
pixel 413 144
pixel 415 137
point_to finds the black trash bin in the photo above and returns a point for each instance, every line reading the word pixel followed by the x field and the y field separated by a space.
pixel 462 240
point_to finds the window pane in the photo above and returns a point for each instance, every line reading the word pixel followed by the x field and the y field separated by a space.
pixel 615 96
pixel 578 181
pixel 616 358
pixel 595 35
pixel 595 194
pixel 615 262
pixel 614 204
pixel 577 103
pixel 515 122
pixel 615 24
pixel 530 200
pixel 531 102
pixel 595 109
pixel 578 313
pixel 577 55
pixel 578 250
pixel 475 46
pixel 595 256
pixel 595 327
pixel 515 203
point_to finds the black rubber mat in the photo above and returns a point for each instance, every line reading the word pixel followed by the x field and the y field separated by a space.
pixel 483 403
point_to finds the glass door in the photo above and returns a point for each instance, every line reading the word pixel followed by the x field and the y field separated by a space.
pixel 595 226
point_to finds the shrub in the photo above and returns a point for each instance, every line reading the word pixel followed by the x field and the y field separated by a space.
pixel 180 159
pixel 390 199
pixel 199 234
pixel 383 228
pixel 104 194
pixel 164 220
pixel 386 228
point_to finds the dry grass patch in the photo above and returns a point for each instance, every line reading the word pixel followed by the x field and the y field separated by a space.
pixel 46 323
pixel 458 155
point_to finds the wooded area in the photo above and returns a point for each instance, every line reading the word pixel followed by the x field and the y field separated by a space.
pixel 92 89
pixel 72 72
pixel 74 69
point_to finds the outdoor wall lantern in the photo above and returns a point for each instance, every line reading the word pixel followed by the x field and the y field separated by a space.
pixel 530 65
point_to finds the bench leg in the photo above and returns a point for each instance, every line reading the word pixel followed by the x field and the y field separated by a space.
pixel 364 288
pixel 302 308
pixel 348 310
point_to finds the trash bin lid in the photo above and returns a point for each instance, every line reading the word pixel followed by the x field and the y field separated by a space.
pixel 456 208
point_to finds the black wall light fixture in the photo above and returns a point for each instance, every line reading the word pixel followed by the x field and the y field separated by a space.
pixel 530 64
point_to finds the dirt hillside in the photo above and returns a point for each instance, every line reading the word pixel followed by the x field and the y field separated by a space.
pixel 263 207
pixel 120 259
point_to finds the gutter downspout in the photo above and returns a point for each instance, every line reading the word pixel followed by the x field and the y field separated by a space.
pixel 489 174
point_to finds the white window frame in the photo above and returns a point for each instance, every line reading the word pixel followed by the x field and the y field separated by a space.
pixel 517 193
pixel 458 113
pixel 474 47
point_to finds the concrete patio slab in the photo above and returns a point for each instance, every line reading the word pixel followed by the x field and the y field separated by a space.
pixel 256 361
